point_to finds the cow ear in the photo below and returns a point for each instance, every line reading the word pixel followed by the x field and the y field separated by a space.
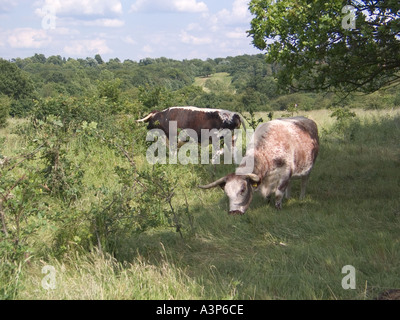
pixel 254 180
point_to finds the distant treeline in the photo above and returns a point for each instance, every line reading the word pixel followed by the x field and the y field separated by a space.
pixel 160 83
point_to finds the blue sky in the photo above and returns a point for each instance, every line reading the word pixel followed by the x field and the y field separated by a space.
pixel 177 29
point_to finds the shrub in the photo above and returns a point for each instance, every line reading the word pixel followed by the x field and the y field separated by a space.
pixel 5 103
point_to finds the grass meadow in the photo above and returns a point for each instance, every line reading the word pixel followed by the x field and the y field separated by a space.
pixel 351 216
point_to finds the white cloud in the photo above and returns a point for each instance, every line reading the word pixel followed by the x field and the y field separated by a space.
pixel 240 10
pixel 80 7
pixel 195 27
pixel 228 27
pixel 28 38
pixel 87 47
pixel 7 5
pixel 187 6
pixel 237 33
pixel 109 23
pixel 190 39
pixel 129 40
pixel 147 49
pixel 190 6
pixel 62 31
pixel 238 14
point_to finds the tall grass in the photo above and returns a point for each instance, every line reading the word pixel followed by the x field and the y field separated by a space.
pixel 351 216
pixel 98 276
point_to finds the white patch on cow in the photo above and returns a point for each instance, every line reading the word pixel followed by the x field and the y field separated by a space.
pixel 237 192
pixel 225 115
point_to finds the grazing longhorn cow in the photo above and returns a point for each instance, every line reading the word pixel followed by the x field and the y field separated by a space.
pixel 193 118
pixel 281 149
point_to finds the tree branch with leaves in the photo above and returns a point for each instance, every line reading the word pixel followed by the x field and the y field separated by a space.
pixel 317 52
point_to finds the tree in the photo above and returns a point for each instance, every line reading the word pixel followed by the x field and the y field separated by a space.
pixel 207 70
pixel 110 89
pixel 155 97
pixel 38 58
pixel 99 59
pixel 17 85
pixel 13 82
pixel 340 45
pixel 56 60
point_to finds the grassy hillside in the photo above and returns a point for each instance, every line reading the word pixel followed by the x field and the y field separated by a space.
pixel 351 216
pixel 221 81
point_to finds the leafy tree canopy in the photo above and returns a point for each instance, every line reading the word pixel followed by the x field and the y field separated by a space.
pixel 13 82
pixel 323 45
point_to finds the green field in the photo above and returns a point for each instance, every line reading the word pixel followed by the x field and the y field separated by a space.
pixel 221 81
pixel 351 216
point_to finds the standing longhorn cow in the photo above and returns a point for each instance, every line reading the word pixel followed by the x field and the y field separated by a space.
pixel 216 122
pixel 193 118
pixel 281 150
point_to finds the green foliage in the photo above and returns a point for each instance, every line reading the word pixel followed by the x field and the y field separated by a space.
pixel 109 87
pixel 110 90
pixel 5 103
pixel 155 98
pixel 252 121
pixel 22 214
pixel 207 70
pixel 316 52
pixel 239 83
pixel 13 82
pixel 72 111
pixel 342 114
pixel 62 178
pixel 17 85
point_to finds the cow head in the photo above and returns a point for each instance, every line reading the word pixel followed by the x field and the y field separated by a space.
pixel 151 119
pixel 239 190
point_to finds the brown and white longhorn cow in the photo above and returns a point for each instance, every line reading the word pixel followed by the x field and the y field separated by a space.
pixel 193 118
pixel 205 125
pixel 280 150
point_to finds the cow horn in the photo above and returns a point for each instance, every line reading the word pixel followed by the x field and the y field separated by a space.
pixel 151 115
pixel 253 177
pixel 214 184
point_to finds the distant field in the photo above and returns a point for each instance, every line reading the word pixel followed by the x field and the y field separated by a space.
pixel 223 78
pixel 351 216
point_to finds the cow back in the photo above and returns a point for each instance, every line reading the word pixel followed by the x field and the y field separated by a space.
pixel 291 143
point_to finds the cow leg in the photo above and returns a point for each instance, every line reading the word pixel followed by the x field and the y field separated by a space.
pixel 280 191
pixel 288 190
pixel 304 181
pixel 265 189
pixel 278 199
